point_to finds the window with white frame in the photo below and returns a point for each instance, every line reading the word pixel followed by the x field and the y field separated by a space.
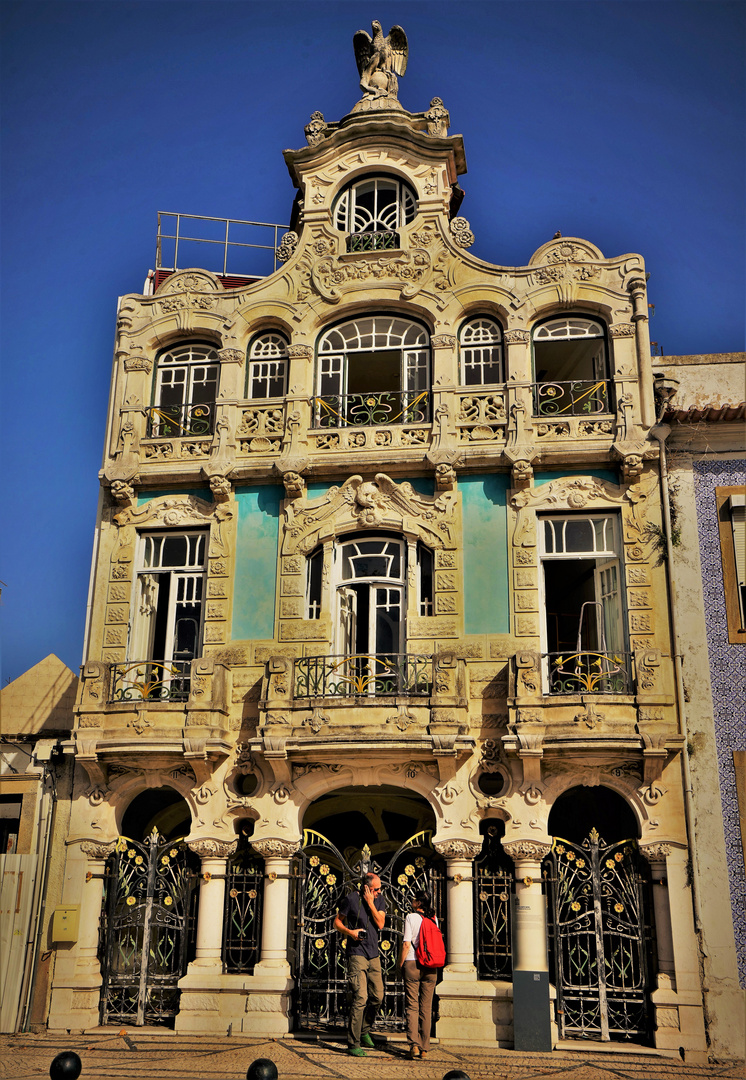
pixel 371 210
pixel 267 369
pixel 571 368
pixel 583 602
pixel 480 342
pixel 373 370
pixel 168 603
pixel 186 381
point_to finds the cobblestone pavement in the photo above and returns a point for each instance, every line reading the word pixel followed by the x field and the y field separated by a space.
pixel 141 1054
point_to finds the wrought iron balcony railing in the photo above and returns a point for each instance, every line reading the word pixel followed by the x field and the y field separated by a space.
pixel 577 397
pixel 363 675
pixel 147 680
pixel 572 672
pixel 373 241
pixel 368 410
pixel 179 421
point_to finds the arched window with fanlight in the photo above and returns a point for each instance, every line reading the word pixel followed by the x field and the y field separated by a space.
pixel 371 210
pixel 267 368
pixel 373 370
pixel 369 596
pixel 481 352
pixel 186 381
pixel 571 367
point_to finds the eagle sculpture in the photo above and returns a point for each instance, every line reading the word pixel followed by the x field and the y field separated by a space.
pixel 380 59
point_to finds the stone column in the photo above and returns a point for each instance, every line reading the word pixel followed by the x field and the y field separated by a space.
pixel 530 944
pixel 277 855
pixel 90 908
pixel 459 932
pixel 210 909
pixel 532 1018
pixel 656 855
pixel 677 1001
pixel 467 1006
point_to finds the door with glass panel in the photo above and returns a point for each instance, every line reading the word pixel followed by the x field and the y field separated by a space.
pixel 370 594
pixel 166 625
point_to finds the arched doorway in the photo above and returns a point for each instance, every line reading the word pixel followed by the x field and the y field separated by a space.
pixel 599 918
pixel 347 833
pixel 149 916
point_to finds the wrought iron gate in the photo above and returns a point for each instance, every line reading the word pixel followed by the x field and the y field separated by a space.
pixel 148 928
pixel 321 879
pixel 600 935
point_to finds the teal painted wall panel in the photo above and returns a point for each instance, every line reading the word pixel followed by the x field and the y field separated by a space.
pixel 485 521
pixel 256 561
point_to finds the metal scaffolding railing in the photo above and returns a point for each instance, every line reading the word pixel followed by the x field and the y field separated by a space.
pixel 233 247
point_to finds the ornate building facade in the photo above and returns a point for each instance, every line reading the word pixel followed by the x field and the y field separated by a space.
pixel 376 583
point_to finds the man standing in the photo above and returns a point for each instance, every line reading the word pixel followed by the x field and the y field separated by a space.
pixel 361 915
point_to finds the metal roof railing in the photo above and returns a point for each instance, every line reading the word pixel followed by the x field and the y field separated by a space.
pixel 240 250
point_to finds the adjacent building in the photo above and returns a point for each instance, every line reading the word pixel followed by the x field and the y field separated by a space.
pixel 378 582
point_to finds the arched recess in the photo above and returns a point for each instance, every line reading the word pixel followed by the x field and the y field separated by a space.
pixel 347 832
pixel 149 915
pixel 601 938
pixel 579 809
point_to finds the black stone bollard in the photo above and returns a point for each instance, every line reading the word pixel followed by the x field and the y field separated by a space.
pixel 66 1066
pixel 455 1074
pixel 262 1069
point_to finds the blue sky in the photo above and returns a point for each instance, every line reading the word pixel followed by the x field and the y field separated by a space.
pixel 620 121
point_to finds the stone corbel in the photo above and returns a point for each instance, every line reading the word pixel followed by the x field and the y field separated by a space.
pixel 445 477
pixel 195 752
pixel 521 457
pixel 217 473
pixel 525 740
pixel 275 752
pixel 290 472
pixel 631 456
pixel 86 752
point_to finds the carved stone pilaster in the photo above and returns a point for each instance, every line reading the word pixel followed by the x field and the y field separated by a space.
pixel 520 850
pixel 275 848
pixel 212 849
pixel 457 849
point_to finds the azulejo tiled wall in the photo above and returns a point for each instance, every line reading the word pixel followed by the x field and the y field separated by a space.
pixel 727 678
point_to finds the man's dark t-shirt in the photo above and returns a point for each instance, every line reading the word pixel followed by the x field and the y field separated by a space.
pixel 356 914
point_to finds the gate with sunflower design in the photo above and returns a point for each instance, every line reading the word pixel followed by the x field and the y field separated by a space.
pixel 148 929
pixel 601 938
pixel 321 879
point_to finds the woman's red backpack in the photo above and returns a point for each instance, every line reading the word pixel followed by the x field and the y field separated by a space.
pixel 431 950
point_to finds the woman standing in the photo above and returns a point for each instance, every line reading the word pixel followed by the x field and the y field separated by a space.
pixel 419 982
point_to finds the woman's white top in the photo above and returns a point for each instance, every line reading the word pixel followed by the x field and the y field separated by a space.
pixel 412 925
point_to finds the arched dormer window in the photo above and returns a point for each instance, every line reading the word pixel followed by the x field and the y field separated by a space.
pixel 371 210
pixel 481 352
pixel 267 369
pixel 571 367
pixel 371 371
pixel 184 391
